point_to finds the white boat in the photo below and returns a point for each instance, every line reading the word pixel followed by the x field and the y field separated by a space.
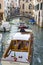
pixel 0 37
pixel 5 26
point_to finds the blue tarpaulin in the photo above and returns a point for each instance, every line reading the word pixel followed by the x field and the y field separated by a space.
pixel 32 20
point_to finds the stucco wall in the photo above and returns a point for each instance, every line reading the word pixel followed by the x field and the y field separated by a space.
pixel 2 5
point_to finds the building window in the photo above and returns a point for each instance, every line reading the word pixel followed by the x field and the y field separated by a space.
pixel 39 18
pixel 41 6
pixel 8 0
pixel 23 6
pixel 39 13
pixel 8 7
pixel 15 0
pixel 30 0
pixel 23 0
pixel 0 6
pixel 30 6
pixel 37 7
pixel 38 0
pixel 26 0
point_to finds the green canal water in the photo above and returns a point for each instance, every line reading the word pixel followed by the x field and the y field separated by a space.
pixel 38 43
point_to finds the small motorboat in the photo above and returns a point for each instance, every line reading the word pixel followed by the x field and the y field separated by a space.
pixel 25 30
pixel 0 37
pixel 5 26
pixel 23 25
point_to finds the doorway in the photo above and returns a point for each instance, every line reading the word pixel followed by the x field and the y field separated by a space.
pixel 39 18
pixel 1 16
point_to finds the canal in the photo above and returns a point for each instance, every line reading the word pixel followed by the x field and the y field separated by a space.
pixel 38 42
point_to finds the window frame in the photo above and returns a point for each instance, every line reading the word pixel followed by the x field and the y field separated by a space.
pixel 0 5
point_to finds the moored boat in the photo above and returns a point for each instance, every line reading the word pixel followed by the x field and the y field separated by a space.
pixel 5 26
pixel 0 37
pixel 23 25
pixel 21 46
pixel 26 30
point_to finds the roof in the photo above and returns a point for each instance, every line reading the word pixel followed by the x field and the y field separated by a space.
pixel 20 36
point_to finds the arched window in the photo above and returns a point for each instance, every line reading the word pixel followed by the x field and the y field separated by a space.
pixel 30 6
pixel 26 0
pixel 23 6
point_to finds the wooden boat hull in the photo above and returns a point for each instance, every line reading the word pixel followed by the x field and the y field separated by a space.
pixel 24 27
pixel 20 46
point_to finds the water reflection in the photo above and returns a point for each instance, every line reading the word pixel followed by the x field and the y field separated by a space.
pixel 38 46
